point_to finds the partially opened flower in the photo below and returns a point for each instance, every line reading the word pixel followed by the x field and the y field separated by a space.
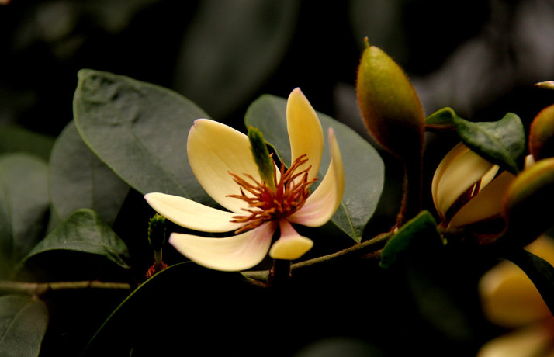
pixel 222 161
pixel 510 300
pixel 467 189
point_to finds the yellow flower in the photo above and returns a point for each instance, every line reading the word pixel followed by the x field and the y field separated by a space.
pixel 511 300
pixel 467 188
pixel 222 161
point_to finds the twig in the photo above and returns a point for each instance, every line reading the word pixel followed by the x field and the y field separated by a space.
pixel 39 289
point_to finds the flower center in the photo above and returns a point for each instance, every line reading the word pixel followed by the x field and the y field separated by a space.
pixel 267 204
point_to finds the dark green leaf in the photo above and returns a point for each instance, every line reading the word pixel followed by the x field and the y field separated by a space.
pixel 539 271
pixel 501 142
pixel 84 232
pixel 16 139
pixel 364 169
pixel 23 206
pixel 23 322
pixel 416 235
pixel 78 179
pixel 140 131
pixel 231 48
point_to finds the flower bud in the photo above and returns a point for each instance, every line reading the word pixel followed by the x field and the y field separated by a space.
pixel 468 189
pixel 528 200
pixel 389 104
pixel 541 134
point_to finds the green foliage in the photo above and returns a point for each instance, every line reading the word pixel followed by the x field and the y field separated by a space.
pixel 501 142
pixel 139 130
pixel 78 179
pixel 413 238
pixel 23 324
pixel 23 207
pixel 84 232
pixel 364 169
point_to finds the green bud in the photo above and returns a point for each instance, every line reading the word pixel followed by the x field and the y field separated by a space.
pixel 527 203
pixel 157 232
pixel 541 134
pixel 261 155
pixel 389 104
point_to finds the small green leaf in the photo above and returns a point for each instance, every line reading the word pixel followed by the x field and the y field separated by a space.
pixel 23 322
pixel 140 131
pixel 78 179
pixel 23 206
pixel 539 271
pixel 84 232
pixel 17 139
pixel 441 119
pixel 501 142
pixel 416 235
pixel 364 169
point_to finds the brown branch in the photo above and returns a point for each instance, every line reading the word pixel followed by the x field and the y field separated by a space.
pixel 39 289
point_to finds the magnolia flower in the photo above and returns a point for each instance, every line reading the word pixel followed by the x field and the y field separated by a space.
pixel 510 300
pixel 467 188
pixel 222 161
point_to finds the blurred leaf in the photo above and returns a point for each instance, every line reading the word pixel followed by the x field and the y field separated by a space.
pixel 231 48
pixel 364 169
pixel 23 322
pixel 84 232
pixel 23 206
pixel 414 237
pixel 501 142
pixel 140 131
pixel 78 179
pixel 539 271
pixel 16 139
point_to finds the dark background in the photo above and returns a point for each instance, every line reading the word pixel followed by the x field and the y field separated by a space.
pixel 482 58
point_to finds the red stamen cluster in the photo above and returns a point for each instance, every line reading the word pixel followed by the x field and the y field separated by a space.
pixel 267 204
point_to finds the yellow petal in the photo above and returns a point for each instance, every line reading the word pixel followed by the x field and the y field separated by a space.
pixel 459 169
pixel 488 203
pixel 235 253
pixel 190 214
pixel 529 342
pixel 324 201
pixel 290 245
pixel 305 132
pixel 509 297
pixel 214 150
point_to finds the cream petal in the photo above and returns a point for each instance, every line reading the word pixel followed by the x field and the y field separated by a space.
pixel 235 253
pixel 190 214
pixel 459 169
pixel 305 132
pixel 487 203
pixel 214 150
pixel 290 245
pixel 529 342
pixel 324 201
pixel 509 298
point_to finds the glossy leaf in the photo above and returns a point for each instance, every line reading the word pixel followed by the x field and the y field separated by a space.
pixel 501 142
pixel 23 206
pixel 416 235
pixel 78 179
pixel 364 169
pixel 83 232
pixel 23 322
pixel 139 130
